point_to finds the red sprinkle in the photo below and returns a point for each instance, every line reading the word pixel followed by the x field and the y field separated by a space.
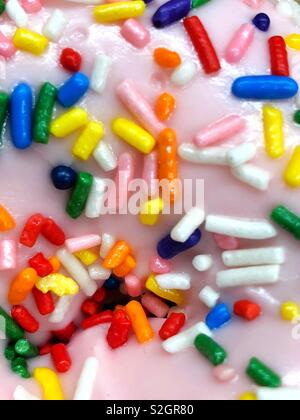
pixel 172 325
pixel 247 309
pixel 70 60
pixel 118 332
pixel 46 349
pixel 61 358
pixel 89 307
pixel 44 302
pixel 279 56
pixel 65 334
pixel 53 233
pixel 104 317
pixel 24 318
pixel 100 295
pixel 203 45
pixel 41 265
pixel 32 230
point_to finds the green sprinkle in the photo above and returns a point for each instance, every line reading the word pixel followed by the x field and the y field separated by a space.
pixel 79 195
pixel 4 102
pixel 43 113
pixel 9 352
pixel 20 367
pixel 262 375
pixel 26 349
pixel 210 349
pixel 198 3
pixel 287 220
pixel 2 6
pixel 12 329
pixel 297 117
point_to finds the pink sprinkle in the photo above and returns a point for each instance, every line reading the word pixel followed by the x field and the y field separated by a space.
pixel 150 173
pixel 7 48
pixel 135 33
pixel 139 107
pixel 124 176
pixel 134 285
pixel 82 242
pixel 219 130
pixel 155 305
pixel 240 43
pixel 225 373
pixel 8 254
pixel 159 265
pixel 31 6
pixel 228 243
pixel 255 4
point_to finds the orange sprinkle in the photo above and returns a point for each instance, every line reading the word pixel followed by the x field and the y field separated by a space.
pixel 56 264
pixel 22 285
pixel 124 269
pixel 117 255
pixel 165 106
pixel 139 321
pixel 167 160
pixel 166 58
pixel 7 222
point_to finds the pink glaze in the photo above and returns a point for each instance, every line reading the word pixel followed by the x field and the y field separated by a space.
pixel 138 106
pixel 7 48
pixel 31 6
pixel 240 43
pixel 255 4
pixel 149 175
pixel 159 266
pixel 8 254
pixel 125 174
pixel 226 243
pixel 220 130
pixel 82 242
pixel 134 285
pixel 224 373
pixel 135 33
pixel 155 305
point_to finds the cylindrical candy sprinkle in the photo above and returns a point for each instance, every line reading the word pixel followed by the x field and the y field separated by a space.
pixel 262 375
pixel 166 58
pixel 119 11
pixel 9 352
pixel 185 339
pixel 240 43
pixel 30 41
pixel 31 6
pixel 79 195
pixel 188 224
pixel 63 177
pixel 172 325
pixel 220 131
pixel 137 105
pixel 202 44
pixel 107 243
pixel 43 113
pixel 50 384
pixel 184 73
pixel 139 321
pixel 87 256
pixel 171 12
pixel 7 222
pixel 70 60
pixel 202 262
pixel 21 286
pixel 241 154
pixel 178 281
pixel 69 122
pixel 150 211
pixel 165 106
pixel 62 307
pixel 26 349
pixel 24 318
pixel 86 381
pixel 159 266
pixel 155 305
pixel 168 249
pixel 88 140
pixel 248 276
pixel 253 176
pixel 125 268
pixel 41 265
pixel 209 296
pixel 218 317
pixel 289 311
pixel 167 162
pixel 100 73
pixel 134 135
pixel 134 285
pixel 287 220
pixel 16 13
pixel 210 349
pixel 82 242
pixel 61 358
pixel 32 230
pixel 118 332
pixel 8 254
pixel 117 255
pixel 12 329
pixel 55 25
pixel 97 272
pixel 292 172
pixel 279 57
pixel 104 317
pixel 53 233
pixel 2 6
pixel 205 156
pixel 247 309
pixel 172 295
pixel 89 307
pixel 73 90
pixel 224 373
pixel 150 169
pixel 293 41
pixel 262 22
pixel 21 394
pixel 135 33
pixel 100 295
pixel 20 367
pixel 280 394
pixel 255 256
pixel 248 396
pixel 21 116
pixel 113 283
pixel 44 302
pixel 264 87
pixel 65 334
pixel 7 48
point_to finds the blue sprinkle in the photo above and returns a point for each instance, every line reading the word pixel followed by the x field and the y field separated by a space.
pixel 112 283
pixel 73 90
pixel 21 116
pixel 171 12
pixel 63 177
pixel 218 316
pixel 167 248
pixel 262 22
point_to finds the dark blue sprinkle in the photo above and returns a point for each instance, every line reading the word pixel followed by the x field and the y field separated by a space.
pixel 171 12
pixel 262 22
pixel 112 283
pixel 218 316
pixel 63 177
pixel 168 249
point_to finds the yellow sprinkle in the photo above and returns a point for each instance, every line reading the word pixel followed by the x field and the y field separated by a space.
pixel 119 11
pixel 289 311
pixel 50 383
pixel 273 129
pixel 88 140
pixel 133 134
pixel 169 294
pixel 87 257
pixel 58 284
pixel 150 211
pixel 293 41
pixel 69 122
pixel 248 396
pixel 292 172
pixel 30 41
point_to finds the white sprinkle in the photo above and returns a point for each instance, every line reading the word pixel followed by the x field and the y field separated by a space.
pixel 256 256
pixel 108 242
pixel 86 381
pixel 77 271
pixel 188 224
pixel 100 72
pixel 16 13
pixel 241 154
pixel 280 394
pixel 61 308
pixel 256 229
pixel 184 73
pixel 252 175
pixel 179 281
pixel 55 26
pixel 284 9
pixel 205 156
pixel 94 205
pixel 209 296
pixel 249 276
pixel 185 339
pixel 97 272
pixel 105 157
pixel 21 394
pixel 203 262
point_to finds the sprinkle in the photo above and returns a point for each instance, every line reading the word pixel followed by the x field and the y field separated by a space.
pixel 150 211
pixel 262 22
pixel 155 305
pixel 226 242
pixel 100 73
pixel 21 394
pixel 105 157
pixel 20 367
pixel 113 283
pixel 205 156
pixel 100 295
pixel 70 60
pixel 6 220
pixel 134 285
pixel 61 309
pixel 218 317
pixel 24 318
pixel 65 334
pixel 172 325
pixel 166 58
pixel 139 321
pixel 50 384
pixel 171 12
pixel 125 268
pixel 209 296
pixel 12 329
pixel 118 332
pixel 255 256
pixel 179 281
pixel 150 173
pixel 29 41
pixel 63 177
pixel 69 122
pixel 86 381
pixel 135 33
pixel 224 374
pixel 44 302
pixel 281 394
pixel 247 310
pixel 58 284
pixel 54 27
pixel 89 307
pixel 7 48
pixel 240 43
pixel 210 349
pixel 292 172
pixel 61 358
pixel 73 90
pixel 21 286
pixel 31 6
pixel 108 242
pixel 172 295
pixel 104 317
pixel 262 375
pixel 8 254
pixel 168 249
pixel 31 230
pixel 185 339
pixel 248 396
pixel 188 224
pixel 165 106
pixel 159 266
pixel 21 116
pixel 79 195
pixel 293 41
pixel 41 265
pixel 253 176
pixel 289 311
pixel 287 220
pixel 95 201
pixel 82 242
pixel 43 113
pixel 202 262
pixel 273 129
pixel 249 276
pixel 254 4
pixel 167 162
pixel 134 135
pixel 279 57
pixel 184 74
pixel 113 12
pixel 16 13
pixel 241 154
pixel 87 256
pixel 117 255
pixel 53 233
pixel 25 349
